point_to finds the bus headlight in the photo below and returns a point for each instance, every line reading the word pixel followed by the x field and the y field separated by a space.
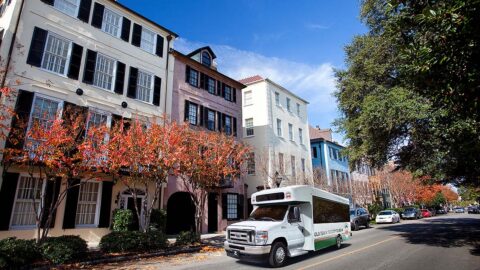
pixel 261 237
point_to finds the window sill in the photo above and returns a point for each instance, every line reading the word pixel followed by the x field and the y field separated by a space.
pixel 249 136
pixel 86 226
pixel 104 89
pixel 248 105
pixel 22 228
pixel 55 73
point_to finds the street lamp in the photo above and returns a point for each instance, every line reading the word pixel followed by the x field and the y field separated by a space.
pixel 278 179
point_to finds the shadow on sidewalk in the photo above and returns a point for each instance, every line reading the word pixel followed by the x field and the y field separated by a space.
pixel 442 232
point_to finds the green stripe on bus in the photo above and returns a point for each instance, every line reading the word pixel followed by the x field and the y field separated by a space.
pixel 319 244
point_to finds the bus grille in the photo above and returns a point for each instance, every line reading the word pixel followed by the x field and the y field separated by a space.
pixel 241 236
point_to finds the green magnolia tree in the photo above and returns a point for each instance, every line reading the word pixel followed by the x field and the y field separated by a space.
pixel 410 91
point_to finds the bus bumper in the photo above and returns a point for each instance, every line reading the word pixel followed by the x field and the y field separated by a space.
pixel 246 252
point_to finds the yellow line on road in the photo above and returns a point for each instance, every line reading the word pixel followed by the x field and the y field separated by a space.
pixel 348 253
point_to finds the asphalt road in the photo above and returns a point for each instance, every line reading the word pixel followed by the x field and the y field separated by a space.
pixel 450 242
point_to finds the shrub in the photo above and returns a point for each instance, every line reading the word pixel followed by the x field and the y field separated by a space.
pixel 158 220
pixel 133 241
pixel 15 252
pixel 122 220
pixel 63 248
pixel 187 238
pixel 398 210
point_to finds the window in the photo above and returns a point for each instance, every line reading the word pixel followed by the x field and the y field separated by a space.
pixel 211 120
pixel 303 164
pixel 228 125
pixel 88 202
pixel 44 111
pixel 248 98
pixel 232 211
pixel 333 175
pixel 314 151
pixel 24 210
pixel 277 98
pixel 288 105
pixel 298 109
pixel 104 72
pixel 280 163
pixel 279 127
pixel 148 40
pixel 192 113
pixel 290 132
pixel 144 86
pixel 57 52
pixel 300 135
pixel 97 119
pixel 193 77
pixel 249 126
pixel 206 59
pixel 228 93
pixel 292 161
pixel 325 211
pixel 111 23
pixel 251 163
pixel 69 7
pixel 211 85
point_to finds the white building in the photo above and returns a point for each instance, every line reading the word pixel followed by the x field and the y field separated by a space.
pixel 275 124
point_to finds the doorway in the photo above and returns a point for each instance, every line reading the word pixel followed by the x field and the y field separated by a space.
pixel 180 213
pixel 212 212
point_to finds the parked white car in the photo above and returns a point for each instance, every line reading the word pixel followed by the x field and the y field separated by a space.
pixel 387 216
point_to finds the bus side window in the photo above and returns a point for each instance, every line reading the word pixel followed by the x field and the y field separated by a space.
pixel 294 214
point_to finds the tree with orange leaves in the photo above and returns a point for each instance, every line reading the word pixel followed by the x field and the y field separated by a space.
pixel 6 113
pixel 143 155
pixel 213 159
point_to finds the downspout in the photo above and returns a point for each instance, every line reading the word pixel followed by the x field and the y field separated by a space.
pixel 169 38
pixel 12 43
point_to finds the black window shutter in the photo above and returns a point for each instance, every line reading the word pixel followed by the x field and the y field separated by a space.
pixel 222 90
pixel 203 78
pixel 7 197
pixel 219 120
pixel 51 195
pixel 132 83
pixel 120 78
pixel 240 199
pixel 205 116
pixel 97 18
pixel 136 35
pixel 187 105
pixel 156 91
pixel 90 64
pixel 37 46
pixel 159 49
pixel 234 126
pixel 187 74
pixel 234 95
pixel 84 10
pixel 106 203
pixel 126 29
pixel 23 106
pixel 201 122
pixel 224 206
pixel 75 61
pixel 116 120
pixel 49 2
pixel 219 88
pixel 71 113
pixel 71 203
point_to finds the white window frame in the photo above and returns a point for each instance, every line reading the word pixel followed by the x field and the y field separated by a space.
pixel 290 132
pixel 279 128
pixel 251 164
pixel 37 95
pixel 249 127
pixel 232 204
pixel 211 90
pixel 298 110
pixel 293 165
pixel 120 23
pixel 114 75
pixel 25 227
pixel 154 45
pixel 300 135
pixel 289 104
pixel 97 205
pixel 55 5
pixel 190 77
pixel 191 104
pixel 277 98
pixel 248 98
pixel 69 54
pixel 152 82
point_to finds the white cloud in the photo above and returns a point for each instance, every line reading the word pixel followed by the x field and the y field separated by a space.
pixel 315 26
pixel 314 83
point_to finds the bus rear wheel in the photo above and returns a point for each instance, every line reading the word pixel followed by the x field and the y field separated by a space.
pixel 278 254
pixel 339 242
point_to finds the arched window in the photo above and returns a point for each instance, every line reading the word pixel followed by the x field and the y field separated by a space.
pixel 206 59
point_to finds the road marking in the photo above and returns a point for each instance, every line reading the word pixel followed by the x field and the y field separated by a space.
pixel 348 253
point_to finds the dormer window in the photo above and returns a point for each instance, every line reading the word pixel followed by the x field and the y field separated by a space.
pixel 206 59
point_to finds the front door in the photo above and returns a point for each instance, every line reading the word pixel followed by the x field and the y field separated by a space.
pixel 296 238
pixel 131 206
pixel 212 212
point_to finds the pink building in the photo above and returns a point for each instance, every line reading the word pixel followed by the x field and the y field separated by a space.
pixel 208 99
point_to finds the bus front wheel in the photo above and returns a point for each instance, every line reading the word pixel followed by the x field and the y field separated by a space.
pixel 339 242
pixel 278 254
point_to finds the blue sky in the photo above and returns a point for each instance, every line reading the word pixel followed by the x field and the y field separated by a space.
pixel 295 43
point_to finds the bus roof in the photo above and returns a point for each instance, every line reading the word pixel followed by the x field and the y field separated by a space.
pixel 300 193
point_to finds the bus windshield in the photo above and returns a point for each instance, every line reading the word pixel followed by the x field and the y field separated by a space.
pixel 269 213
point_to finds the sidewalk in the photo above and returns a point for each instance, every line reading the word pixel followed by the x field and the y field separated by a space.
pixel 211 239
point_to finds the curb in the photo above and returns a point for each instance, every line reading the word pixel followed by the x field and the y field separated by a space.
pixel 127 257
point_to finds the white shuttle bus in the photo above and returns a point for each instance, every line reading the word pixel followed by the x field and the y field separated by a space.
pixel 288 222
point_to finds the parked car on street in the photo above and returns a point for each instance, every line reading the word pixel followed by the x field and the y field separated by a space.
pixel 432 211
pixel 441 211
pixel 359 217
pixel 411 213
pixel 459 210
pixel 387 216
pixel 425 213
pixel 473 210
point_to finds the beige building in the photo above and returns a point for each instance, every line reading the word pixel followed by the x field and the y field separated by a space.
pixel 97 55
